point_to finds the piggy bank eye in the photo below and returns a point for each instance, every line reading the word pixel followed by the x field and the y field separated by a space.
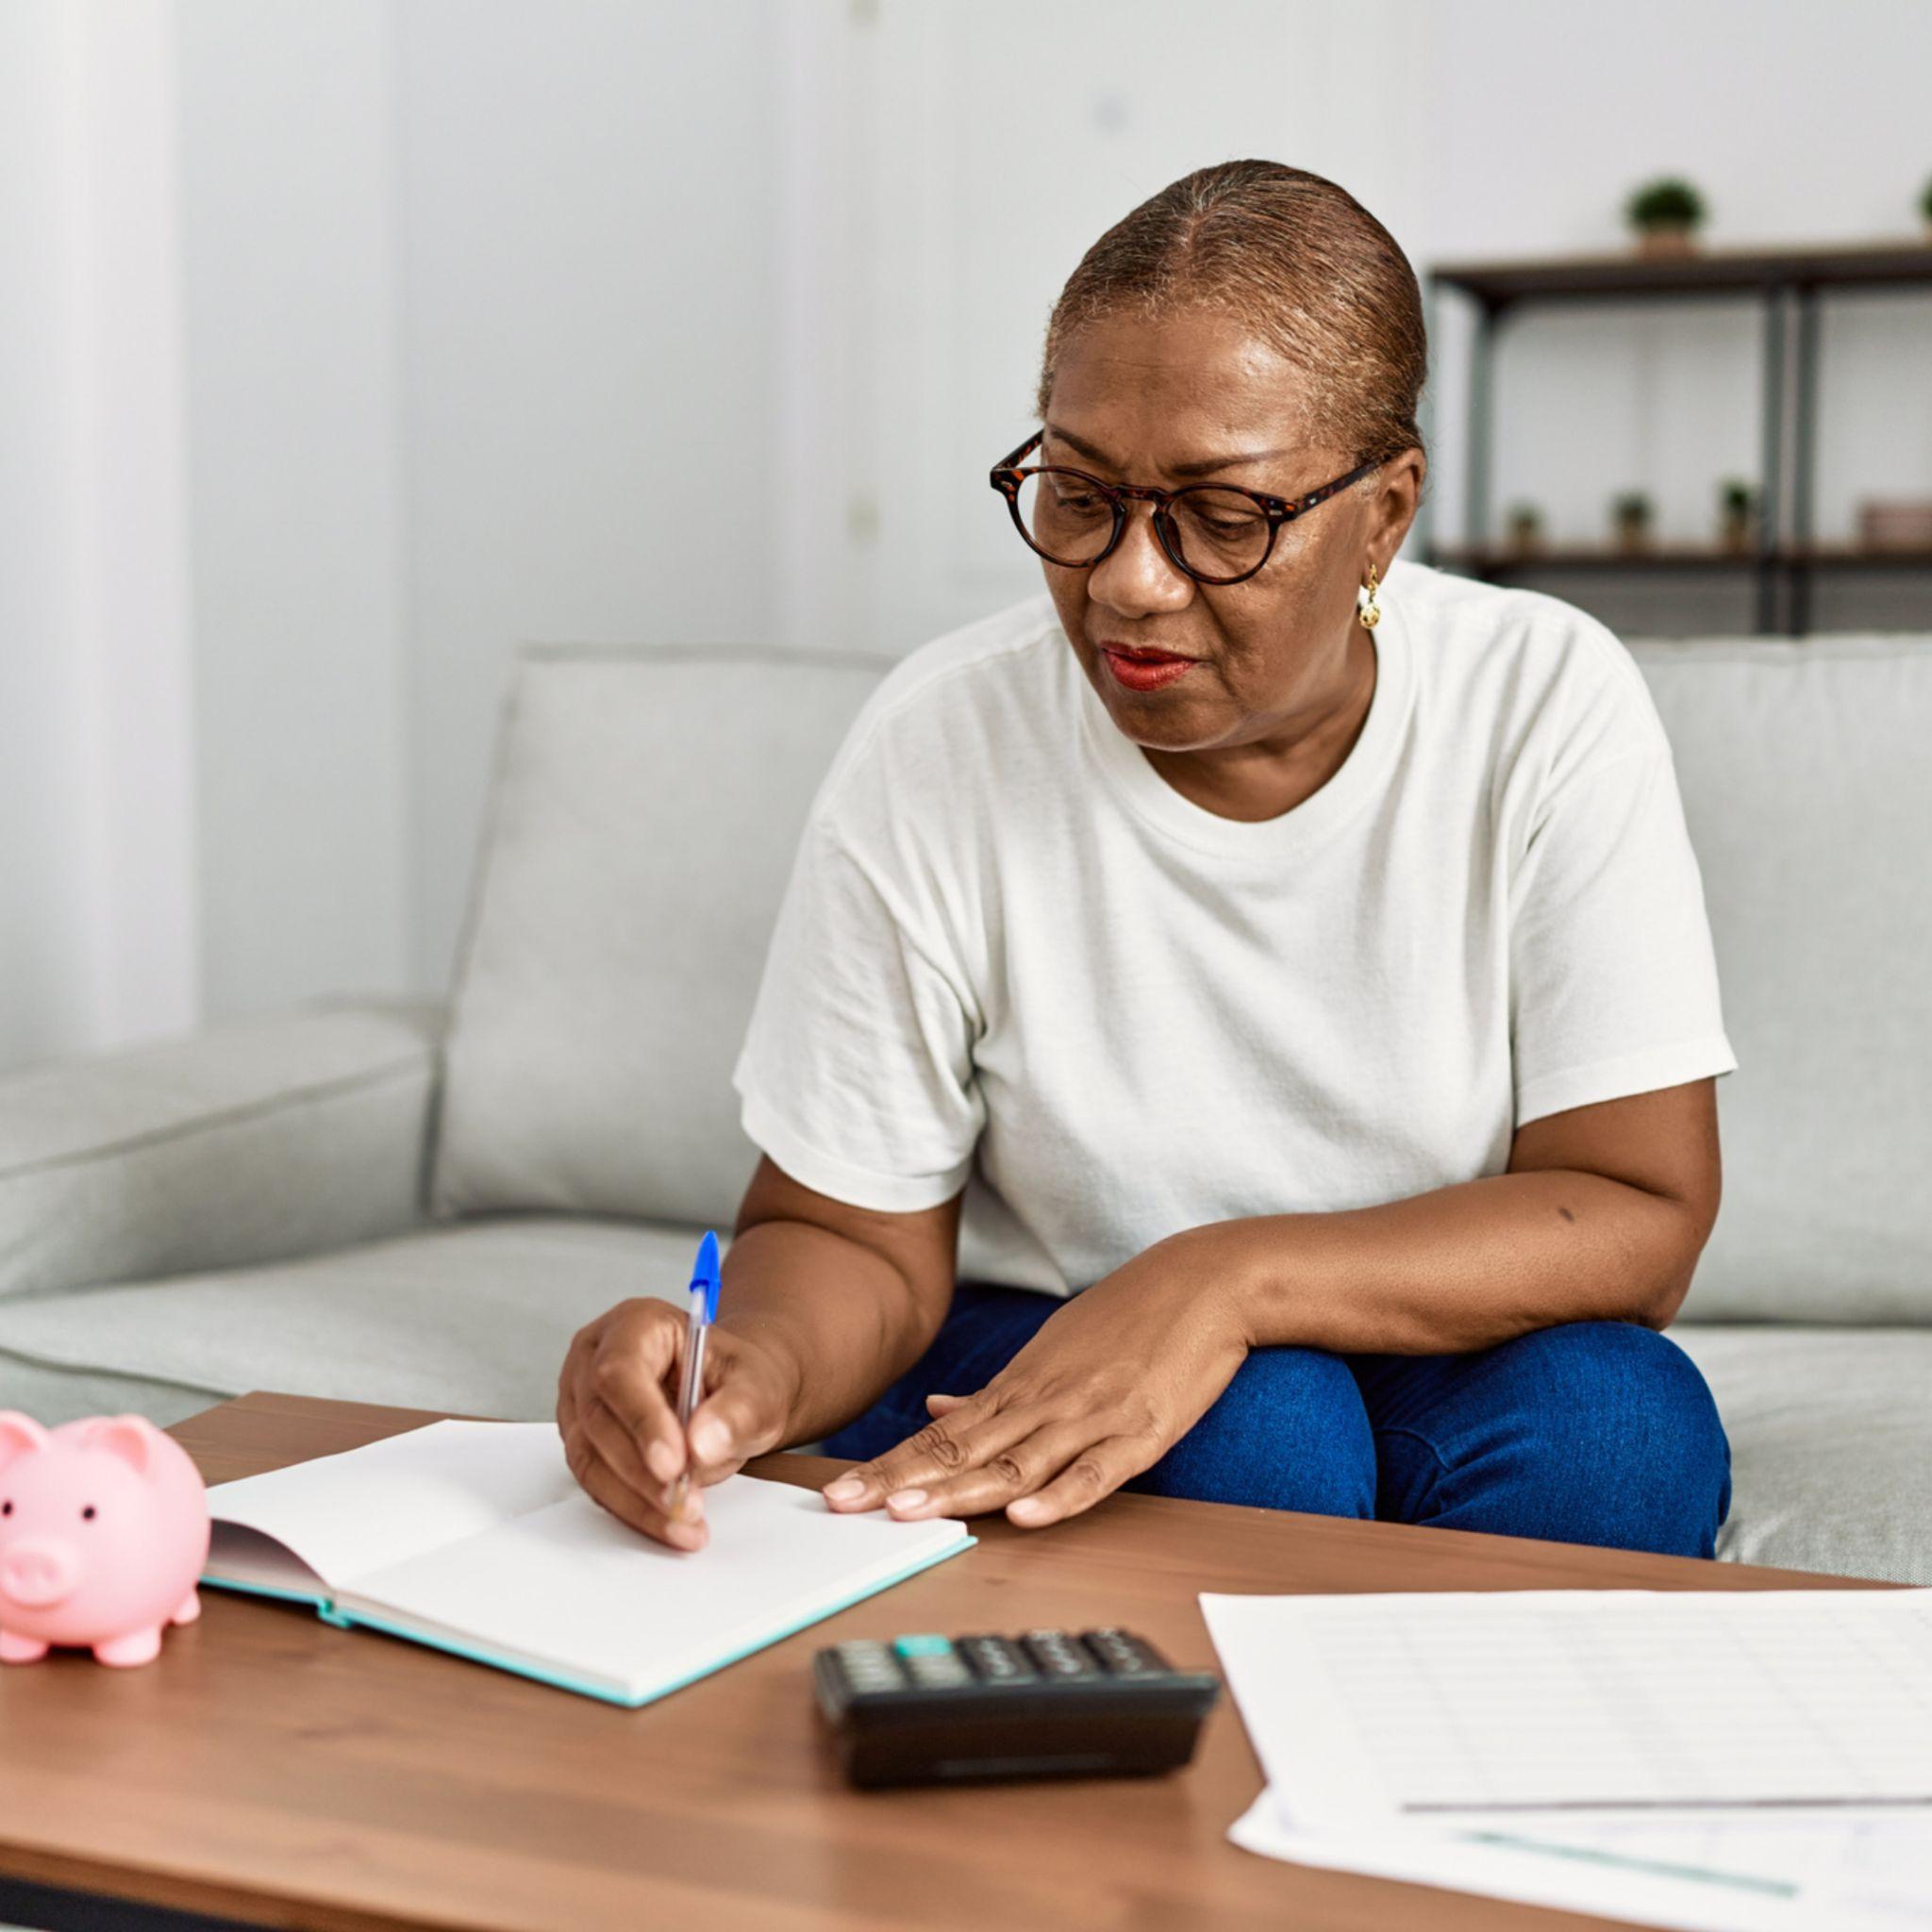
pixel 89 1510
pixel 7 1507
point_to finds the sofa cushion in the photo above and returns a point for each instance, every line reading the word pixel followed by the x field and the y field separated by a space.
pixel 256 1138
pixel 475 1318
pixel 1808 793
pixel 1831 1445
pixel 645 813
pixel 53 1395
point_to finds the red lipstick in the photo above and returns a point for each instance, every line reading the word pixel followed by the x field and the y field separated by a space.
pixel 1145 670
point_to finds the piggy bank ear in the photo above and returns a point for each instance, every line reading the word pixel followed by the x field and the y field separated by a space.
pixel 20 1435
pixel 126 1435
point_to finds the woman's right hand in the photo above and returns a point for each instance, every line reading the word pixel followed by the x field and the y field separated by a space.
pixel 617 1410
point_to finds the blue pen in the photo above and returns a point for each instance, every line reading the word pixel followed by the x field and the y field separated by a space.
pixel 703 1311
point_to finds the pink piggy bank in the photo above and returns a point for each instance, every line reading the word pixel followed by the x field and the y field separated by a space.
pixel 103 1530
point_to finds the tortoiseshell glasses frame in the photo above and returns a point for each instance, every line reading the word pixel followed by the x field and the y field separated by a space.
pixel 1009 477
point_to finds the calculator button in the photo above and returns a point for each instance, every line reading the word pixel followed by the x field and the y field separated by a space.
pixel 1125 1655
pixel 923 1646
pixel 870 1667
pixel 1061 1656
pixel 998 1660
pixel 938 1672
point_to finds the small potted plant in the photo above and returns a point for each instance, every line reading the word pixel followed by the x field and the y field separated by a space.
pixel 1630 515
pixel 1525 526
pixel 1665 213
pixel 1925 207
pixel 1736 514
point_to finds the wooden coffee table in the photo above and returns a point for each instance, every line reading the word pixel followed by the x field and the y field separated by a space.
pixel 270 1768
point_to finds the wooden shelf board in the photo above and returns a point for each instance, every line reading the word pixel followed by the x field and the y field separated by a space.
pixel 1678 557
pixel 1904 260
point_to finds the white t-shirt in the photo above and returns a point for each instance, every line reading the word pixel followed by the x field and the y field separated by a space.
pixel 1012 956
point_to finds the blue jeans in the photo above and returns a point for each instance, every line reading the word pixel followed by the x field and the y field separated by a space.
pixel 1589 1432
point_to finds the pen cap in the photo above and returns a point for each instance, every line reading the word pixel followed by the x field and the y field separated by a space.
pixel 705 1272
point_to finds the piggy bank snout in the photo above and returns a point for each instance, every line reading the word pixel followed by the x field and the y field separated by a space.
pixel 36 1571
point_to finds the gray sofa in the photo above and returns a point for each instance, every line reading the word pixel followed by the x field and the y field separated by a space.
pixel 418 1202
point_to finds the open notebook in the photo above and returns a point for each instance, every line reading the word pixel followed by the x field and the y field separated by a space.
pixel 474 1536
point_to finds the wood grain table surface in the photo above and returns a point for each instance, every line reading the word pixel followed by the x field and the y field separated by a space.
pixel 270 1768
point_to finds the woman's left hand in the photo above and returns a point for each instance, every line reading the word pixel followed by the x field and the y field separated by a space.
pixel 1106 1387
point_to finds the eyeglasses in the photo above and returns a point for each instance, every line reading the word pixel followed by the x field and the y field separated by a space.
pixel 1213 532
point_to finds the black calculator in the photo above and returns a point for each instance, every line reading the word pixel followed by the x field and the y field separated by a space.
pixel 931 1710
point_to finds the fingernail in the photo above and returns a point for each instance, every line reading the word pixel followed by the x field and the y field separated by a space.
pixel 710 1439
pixel 687 1536
pixel 848 1489
pixel 661 1458
pixel 1024 1505
pixel 906 1499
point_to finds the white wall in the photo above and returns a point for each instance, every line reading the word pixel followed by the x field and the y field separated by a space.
pixel 312 406
pixel 373 353
pixel 586 199
pixel 100 935
pixel 468 285
pixel 302 642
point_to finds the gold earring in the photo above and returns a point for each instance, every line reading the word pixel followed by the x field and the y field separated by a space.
pixel 1371 613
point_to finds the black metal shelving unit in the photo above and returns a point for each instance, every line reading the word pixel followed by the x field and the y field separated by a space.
pixel 1788 283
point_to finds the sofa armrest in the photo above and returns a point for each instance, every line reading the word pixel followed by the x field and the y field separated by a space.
pixel 254 1140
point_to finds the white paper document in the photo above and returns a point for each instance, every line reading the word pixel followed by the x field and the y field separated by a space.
pixel 1718 1762
pixel 1809 1872
pixel 1470 1707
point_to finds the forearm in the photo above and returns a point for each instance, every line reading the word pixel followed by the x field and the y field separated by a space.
pixel 1456 1269
pixel 839 1312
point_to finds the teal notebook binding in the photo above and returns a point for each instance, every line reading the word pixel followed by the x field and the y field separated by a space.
pixel 344 1620
pixel 286 1596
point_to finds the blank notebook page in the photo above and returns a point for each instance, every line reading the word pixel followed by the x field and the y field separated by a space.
pixel 366 1507
pixel 571 1585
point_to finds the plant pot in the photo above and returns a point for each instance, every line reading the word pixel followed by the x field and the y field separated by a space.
pixel 1523 534
pixel 1734 530
pixel 1633 533
pixel 1898 524
pixel 1667 238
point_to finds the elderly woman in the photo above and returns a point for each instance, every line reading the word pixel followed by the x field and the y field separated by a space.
pixel 1280 970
